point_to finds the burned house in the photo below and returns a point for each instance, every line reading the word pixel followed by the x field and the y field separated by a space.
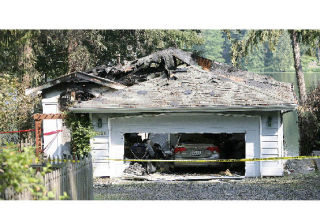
pixel 168 95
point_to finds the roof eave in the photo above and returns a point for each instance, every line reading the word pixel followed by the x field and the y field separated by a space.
pixel 81 75
pixel 288 107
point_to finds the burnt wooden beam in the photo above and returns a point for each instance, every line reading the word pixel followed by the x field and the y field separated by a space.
pixel 76 76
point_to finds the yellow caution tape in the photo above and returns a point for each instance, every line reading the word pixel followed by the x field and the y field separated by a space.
pixel 63 160
pixel 197 161
pixel 218 160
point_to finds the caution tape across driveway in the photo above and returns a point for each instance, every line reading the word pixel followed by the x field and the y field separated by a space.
pixel 217 160
pixel 196 161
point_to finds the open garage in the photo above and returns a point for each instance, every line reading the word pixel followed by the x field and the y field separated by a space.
pixel 186 146
pixel 214 126
pixel 175 92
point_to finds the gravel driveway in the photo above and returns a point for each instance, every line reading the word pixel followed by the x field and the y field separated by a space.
pixel 293 187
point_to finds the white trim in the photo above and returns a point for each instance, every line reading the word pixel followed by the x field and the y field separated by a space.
pixel 128 124
pixel 203 109
pixel 184 114
pixel 260 144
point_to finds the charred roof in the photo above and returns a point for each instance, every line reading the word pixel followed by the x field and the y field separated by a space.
pixel 196 88
pixel 156 64
pixel 173 78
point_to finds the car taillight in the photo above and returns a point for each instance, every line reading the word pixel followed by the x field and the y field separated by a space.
pixel 213 148
pixel 179 149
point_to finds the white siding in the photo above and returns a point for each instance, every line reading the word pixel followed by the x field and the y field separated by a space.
pixel 100 146
pixel 271 144
pixel 188 123
pixel 53 144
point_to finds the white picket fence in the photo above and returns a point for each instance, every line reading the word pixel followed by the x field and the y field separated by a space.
pixel 72 176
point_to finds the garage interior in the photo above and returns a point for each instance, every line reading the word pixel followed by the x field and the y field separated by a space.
pixel 143 145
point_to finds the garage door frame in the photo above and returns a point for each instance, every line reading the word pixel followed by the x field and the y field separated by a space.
pixel 187 123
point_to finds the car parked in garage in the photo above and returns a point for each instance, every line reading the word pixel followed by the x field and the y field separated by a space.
pixel 190 148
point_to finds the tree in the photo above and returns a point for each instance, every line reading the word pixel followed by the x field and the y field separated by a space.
pixel 309 123
pixel 212 48
pixel 39 55
pixel 17 55
pixel 31 57
pixel 282 56
pixel 64 51
pixel 241 48
pixel 256 60
pixel 297 66
pixel 16 108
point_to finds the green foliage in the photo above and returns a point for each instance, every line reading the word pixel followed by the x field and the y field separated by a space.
pixel 162 39
pixel 47 54
pixel 39 55
pixel 242 47
pixel 212 48
pixel 12 47
pixel 17 174
pixel 280 57
pixel 64 196
pixel 16 108
pixel 81 133
pixel 310 63
pixel 309 123
pixel 17 55
pixel 255 60
pixel 268 55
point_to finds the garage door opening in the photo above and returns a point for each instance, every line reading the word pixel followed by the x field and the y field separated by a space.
pixel 186 146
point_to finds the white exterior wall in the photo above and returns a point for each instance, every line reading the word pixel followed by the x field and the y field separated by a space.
pixel 271 144
pixel 187 123
pixel 100 146
pixel 53 144
pixel 261 140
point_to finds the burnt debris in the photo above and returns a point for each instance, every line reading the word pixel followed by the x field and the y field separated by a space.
pixel 173 78
pixel 162 63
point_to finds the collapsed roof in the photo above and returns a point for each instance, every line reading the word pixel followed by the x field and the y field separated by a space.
pixel 76 77
pixel 175 79
pixel 157 64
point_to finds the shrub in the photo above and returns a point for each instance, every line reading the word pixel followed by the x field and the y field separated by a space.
pixel 81 131
pixel 17 174
pixel 309 123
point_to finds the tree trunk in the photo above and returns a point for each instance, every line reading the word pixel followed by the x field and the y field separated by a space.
pixel 298 68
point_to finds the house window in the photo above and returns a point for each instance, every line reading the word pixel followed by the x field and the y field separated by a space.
pixel 99 122
pixel 269 121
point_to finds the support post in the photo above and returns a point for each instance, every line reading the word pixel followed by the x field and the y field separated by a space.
pixel 38 137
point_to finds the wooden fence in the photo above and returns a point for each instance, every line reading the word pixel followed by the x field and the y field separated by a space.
pixel 72 176
pixel 26 140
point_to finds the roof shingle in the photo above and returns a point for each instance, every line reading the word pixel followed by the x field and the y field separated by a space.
pixel 197 88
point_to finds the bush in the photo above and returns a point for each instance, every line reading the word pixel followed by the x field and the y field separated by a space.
pixel 81 131
pixel 309 123
pixel 17 174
